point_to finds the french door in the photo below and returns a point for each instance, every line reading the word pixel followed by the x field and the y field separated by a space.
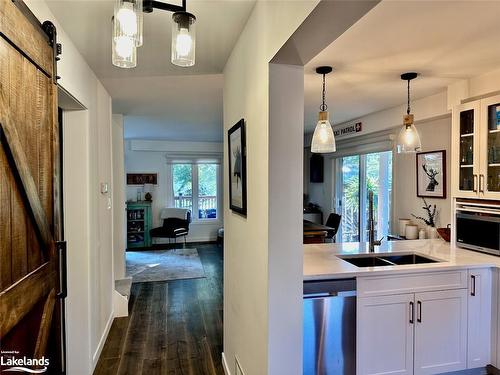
pixel 356 175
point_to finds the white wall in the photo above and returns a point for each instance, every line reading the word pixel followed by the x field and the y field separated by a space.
pixel 88 221
pixel 119 198
pixel 435 135
pixel 286 95
pixel 249 268
pixel 150 156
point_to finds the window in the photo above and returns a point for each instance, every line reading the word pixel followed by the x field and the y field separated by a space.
pixel 359 174
pixel 182 177
pixel 195 187
pixel 207 191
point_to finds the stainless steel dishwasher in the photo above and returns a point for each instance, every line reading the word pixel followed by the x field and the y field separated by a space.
pixel 330 327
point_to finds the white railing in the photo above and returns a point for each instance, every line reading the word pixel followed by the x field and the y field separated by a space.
pixel 204 203
pixel 183 202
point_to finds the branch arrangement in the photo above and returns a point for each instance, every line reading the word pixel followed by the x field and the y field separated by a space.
pixel 431 214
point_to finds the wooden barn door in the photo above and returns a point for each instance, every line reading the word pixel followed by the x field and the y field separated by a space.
pixel 30 292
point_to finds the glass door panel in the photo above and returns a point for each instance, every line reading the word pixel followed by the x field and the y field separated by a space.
pixel 466 174
pixel 378 180
pixel 350 199
pixel 493 149
pixel 357 176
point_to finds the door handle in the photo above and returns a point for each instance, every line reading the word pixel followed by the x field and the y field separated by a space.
pixel 412 313
pixel 481 183
pixel 474 183
pixel 63 269
pixel 419 311
pixel 473 285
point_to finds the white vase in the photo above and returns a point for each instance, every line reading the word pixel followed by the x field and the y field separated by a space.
pixel 432 232
pixel 411 232
pixel 402 226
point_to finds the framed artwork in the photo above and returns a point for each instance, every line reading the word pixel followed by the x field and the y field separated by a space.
pixel 431 174
pixel 237 168
pixel 142 178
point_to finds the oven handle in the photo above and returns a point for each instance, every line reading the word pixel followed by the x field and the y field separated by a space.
pixel 495 219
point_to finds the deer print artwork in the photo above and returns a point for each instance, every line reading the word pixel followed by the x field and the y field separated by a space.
pixel 431 173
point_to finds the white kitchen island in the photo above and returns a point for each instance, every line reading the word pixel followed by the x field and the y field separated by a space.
pixel 427 318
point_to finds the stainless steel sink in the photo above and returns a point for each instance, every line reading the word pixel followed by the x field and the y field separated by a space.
pixel 380 260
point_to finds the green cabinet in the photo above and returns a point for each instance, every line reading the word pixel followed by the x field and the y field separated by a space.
pixel 138 224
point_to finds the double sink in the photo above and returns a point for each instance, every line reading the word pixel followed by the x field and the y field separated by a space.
pixel 383 260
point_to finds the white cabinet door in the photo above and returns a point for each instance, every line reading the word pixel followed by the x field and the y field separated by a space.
pixel 440 332
pixel 479 318
pixel 385 335
pixel 489 175
pixel 465 159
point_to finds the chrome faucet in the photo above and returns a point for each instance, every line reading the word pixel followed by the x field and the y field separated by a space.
pixel 371 225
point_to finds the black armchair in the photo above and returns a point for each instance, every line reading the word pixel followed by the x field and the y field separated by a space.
pixel 333 222
pixel 173 227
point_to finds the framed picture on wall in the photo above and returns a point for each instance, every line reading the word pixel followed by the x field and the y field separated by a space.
pixel 142 178
pixel 431 174
pixel 237 168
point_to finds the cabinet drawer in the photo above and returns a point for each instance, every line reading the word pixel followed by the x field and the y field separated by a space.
pixel 409 283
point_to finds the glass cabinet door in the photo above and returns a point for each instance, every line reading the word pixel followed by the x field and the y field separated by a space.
pixel 467 129
pixel 491 181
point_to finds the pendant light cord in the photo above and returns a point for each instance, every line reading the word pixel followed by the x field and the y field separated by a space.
pixel 408 109
pixel 323 106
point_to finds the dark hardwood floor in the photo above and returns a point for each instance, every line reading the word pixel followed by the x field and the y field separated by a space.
pixel 173 327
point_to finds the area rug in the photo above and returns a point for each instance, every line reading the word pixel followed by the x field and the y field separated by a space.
pixel 164 265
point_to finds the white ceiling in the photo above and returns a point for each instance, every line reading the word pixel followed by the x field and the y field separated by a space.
pixel 178 108
pixel 443 40
pixel 173 102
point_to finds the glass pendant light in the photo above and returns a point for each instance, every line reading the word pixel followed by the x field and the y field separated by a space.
pixel 124 50
pixel 323 140
pixel 128 14
pixel 183 39
pixel 408 139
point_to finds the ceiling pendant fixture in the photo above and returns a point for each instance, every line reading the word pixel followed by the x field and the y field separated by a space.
pixel 408 139
pixel 323 140
pixel 183 41
pixel 124 52
pixel 128 24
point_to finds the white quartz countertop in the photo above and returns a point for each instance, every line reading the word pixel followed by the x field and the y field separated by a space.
pixel 321 261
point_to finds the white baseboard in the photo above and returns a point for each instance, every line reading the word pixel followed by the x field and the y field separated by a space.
pixel 224 365
pixel 102 341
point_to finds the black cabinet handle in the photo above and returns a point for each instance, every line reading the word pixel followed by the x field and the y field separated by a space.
pixel 473 285
pixel 412 313
pixel 419 311
pixel 63 269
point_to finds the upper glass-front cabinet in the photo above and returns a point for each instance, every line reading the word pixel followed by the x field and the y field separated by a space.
pixel 467 137
pixel 490 177
pixel 466 144
pixel 476 149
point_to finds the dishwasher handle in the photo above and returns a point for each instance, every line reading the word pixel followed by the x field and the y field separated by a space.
pixel 349 293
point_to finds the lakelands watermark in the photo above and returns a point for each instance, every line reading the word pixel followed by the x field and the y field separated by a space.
pixel 22 364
